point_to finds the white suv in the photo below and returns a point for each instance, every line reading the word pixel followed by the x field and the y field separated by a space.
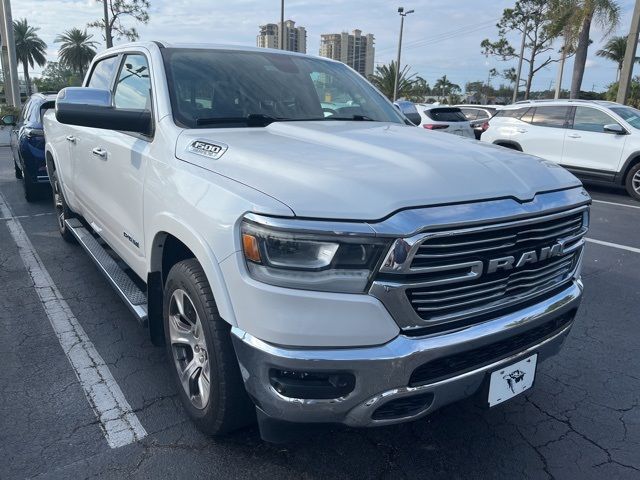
pixel 596 140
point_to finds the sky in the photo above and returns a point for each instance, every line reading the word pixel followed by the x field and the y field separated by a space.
pixel 441 37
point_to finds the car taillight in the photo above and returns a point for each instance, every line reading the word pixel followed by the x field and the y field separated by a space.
pixel 485 126
pixel 430 126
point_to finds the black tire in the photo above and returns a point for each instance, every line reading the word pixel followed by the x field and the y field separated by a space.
pixel 18 172
pixel 632 182
pixel 63 212
pixel 32 190
pixel 228 406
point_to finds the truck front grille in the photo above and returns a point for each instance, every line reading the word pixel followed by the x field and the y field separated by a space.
pixel 460 276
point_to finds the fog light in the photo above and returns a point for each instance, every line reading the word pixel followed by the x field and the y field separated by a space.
pixel 311 385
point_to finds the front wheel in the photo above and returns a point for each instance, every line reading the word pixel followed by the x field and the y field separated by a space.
pixel 632 182
pixel 63 212
pixel 201 354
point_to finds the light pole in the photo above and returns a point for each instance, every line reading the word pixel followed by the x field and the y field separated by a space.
pixel 281 24
pixel 397 79
pixel 624 84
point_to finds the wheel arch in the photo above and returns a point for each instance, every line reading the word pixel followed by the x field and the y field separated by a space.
pixel 629 163
pixel 173 242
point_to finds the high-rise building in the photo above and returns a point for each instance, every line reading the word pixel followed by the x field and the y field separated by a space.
pixel 354 49
pixel 295 38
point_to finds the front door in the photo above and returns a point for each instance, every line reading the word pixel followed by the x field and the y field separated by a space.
pixel 120 160
pixel 588 146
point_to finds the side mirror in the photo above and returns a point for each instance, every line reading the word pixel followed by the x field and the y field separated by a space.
pixel 92 107
pixel 9 119
pixel 615 129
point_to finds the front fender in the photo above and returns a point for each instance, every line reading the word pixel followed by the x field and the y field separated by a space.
pixel 168 224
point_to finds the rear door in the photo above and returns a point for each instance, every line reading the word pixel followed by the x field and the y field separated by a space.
pixel 541 131
pixel 589 147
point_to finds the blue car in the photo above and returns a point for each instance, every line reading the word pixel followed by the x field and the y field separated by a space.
pixel 27 144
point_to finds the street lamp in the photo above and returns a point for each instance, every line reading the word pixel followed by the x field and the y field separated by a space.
pixel 281 25
pixel 397 79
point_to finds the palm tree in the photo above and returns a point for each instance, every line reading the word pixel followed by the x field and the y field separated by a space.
pixel 607 14
pixel 30 48
pixel 445 87
pixel 615 50
pixel 384 79
pixel 76 49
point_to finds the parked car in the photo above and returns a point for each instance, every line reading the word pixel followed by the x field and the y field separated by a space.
pixel 27 143
pixel 596 140
pixel 478 116
pixel 444 119
pixel 299 268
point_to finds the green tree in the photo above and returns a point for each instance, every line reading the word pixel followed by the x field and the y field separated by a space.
pixel 634 92
pixel 76 49
pixel 419 90
pixel 56 76
pixel 30 48
pixel 446 89
pixel 615 50
pixel 384 79
pixel 533 19
pixel 607 14
pixel 115 11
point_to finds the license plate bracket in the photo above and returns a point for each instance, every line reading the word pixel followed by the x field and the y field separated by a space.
pixel 511 380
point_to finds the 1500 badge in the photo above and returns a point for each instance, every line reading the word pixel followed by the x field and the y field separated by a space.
pixel 207 149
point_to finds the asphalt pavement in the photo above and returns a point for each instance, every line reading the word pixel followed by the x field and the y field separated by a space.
pixel 581 420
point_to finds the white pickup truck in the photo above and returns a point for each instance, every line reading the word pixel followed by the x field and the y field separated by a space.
pixel 304 253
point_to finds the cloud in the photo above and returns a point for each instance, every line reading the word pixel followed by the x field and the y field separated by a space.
pixel 441 37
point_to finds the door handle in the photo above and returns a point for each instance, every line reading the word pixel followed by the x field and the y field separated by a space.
pixel 521 130
pixel 573 135
pixel 71 138
pixel 99 152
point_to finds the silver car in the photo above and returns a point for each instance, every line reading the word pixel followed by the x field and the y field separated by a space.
pixel 444 118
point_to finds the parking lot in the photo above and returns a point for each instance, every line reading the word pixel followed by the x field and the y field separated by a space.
pixel 581 419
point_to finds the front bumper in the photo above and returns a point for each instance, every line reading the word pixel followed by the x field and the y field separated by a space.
pixel 383 373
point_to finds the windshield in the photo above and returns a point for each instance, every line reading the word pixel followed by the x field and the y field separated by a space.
pixel 629 114
pixel 227 88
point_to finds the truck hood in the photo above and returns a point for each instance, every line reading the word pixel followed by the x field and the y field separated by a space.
pixel 368 170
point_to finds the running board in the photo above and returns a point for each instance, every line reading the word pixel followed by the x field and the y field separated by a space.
pixel 132 295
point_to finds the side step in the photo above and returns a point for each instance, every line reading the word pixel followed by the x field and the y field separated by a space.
pixel 132 295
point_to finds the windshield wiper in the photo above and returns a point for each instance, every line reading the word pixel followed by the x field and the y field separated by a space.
pixel 251 120
pixel 355 118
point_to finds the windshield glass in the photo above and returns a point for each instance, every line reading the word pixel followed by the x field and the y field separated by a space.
pixel 227 88
pixel 629 114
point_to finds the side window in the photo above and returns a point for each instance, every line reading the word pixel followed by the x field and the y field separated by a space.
pixel 102 73
pixel 24 112
pixel 591 120
pixel 528 116
pixel 133 87
pixel 551 117
pixel 470 113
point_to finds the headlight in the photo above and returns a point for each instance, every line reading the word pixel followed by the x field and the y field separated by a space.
pixel 310 261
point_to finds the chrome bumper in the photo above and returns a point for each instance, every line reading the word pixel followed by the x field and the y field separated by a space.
pixel 383 372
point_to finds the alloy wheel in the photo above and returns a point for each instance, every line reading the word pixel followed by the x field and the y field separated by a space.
pixel 59 206
pixel 635 182
pixel 189 349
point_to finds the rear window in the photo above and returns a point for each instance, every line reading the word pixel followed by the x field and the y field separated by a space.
pixel 446 115
pixel 555 117
pixel 511 112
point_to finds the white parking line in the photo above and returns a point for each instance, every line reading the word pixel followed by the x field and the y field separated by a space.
pixel 614 203
pixel 117 420
pixel 614 245
pixel 26 216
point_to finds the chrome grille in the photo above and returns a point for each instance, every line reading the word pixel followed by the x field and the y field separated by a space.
pixel 446 277
pixel 435 304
